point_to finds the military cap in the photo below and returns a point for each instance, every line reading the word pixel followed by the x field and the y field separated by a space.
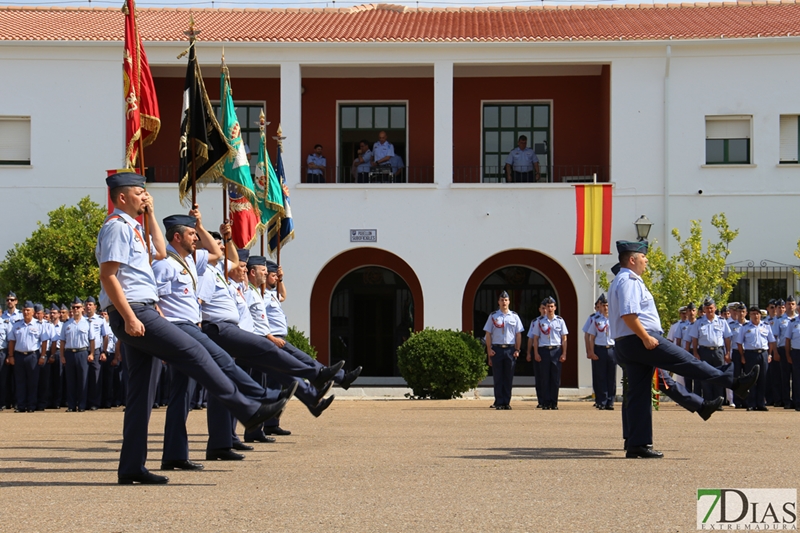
pixel 215 235
pixel 615 269
pixel 504 294
pixel 601 300
pixel 54 307
pixel 37 307
pixel 682 309
pixel 256 260
pixel 771 301
pixel 632 246
pixel 690 306
pixel 548 300
pixel 733 305
pixel 708 301
pixel 64 307
pixel 125 179
pixel 754 307
pixel 780 301
pixel 179 220
pixel 790 298
pixel 272 266
pixel 77 301
pixel 91 300
pixel 28 305
pixel 11 295
pixel 244 254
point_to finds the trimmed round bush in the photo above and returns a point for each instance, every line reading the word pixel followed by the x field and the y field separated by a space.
pixel 441 364
pixel 299 340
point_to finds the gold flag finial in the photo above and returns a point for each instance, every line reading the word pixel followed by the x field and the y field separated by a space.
pixel 280 136
pixel 192 34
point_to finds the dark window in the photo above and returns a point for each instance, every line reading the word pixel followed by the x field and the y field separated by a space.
pixel 502 126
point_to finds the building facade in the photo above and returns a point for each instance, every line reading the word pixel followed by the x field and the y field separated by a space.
pixel 687 110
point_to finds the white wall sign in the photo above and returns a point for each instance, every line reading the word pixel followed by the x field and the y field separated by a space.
pixel 363 235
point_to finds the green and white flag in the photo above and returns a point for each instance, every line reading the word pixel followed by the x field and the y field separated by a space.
pixel 268 187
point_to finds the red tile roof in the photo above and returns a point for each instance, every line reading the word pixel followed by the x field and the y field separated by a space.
pixel 391 23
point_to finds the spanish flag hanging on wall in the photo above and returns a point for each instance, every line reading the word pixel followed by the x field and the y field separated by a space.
pixel 593 206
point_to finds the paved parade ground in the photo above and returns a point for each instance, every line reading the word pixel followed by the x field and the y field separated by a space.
pixel 397 465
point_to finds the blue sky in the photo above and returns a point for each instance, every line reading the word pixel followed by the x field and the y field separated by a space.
pixel 296 3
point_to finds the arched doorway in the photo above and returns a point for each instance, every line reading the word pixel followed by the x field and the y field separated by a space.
pixel 363 303
pixel 528 276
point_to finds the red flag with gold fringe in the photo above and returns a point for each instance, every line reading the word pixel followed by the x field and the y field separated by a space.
pixel 142 119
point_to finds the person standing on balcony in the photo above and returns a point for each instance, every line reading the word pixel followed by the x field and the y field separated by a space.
pixel 362 163
pixel 316 166
pixel 522 165
pixel 382 151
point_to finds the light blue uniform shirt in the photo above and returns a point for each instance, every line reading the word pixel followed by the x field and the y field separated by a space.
pixel 793 334
pixel 753 337
pixel 118 242
pixel 317 160
pixel 599 327
pixel 218 303
pixel 99 330
pixel 379 151
pixel 47 332
pixel 76 335
pixel 55 336
pixel 245 320
pixel 275 315
pixel 779 327
pixel 112 342
pixel 397 163
pixel 28 336
pixel 588 323
pixel 12 317
pixel 734 325
pixel 176 286
pixel 3 336
pixel 504 327
pixel 365 166
pixel 710 332
pixel 258 311
pixel 522 160
pixel 548 331
pixel 628 295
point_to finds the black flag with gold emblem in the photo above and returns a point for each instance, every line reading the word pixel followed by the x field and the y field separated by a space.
pixel 203 148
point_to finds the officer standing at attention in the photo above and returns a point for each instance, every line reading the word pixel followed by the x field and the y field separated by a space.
pixel 316 166
pixel 3 348
pixel 792 347
pixel 711 342
pixel 602 355
pixel 685 341
pixel 779 330
pixel 129 294
pixel 98 358
pixel 503 338
pixel 756 344
pixel 636 328
pixel 773 370
pixel 585 329
pixel 77 345
pixel 10 315
pixel 110 376
pixel 43 369
pixel 45 392
pixel 550 350
pixel 27 345
pixel 522 164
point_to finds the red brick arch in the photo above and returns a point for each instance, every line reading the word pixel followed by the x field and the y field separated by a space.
pixel 558 277
pixel 336 269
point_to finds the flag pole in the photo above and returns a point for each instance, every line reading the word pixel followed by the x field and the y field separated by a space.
pixel 262 125
pixel 280 139
pixel 594 259
pixel 224 188
pixel 138 74
pixel 192 34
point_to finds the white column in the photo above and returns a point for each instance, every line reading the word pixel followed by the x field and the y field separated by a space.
pixel 291 116
pixel 443 123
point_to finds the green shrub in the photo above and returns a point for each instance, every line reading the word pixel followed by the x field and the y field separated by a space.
pixel 300 341
pixel 441 364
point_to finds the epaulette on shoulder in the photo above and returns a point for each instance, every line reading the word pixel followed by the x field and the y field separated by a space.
pixel 558 317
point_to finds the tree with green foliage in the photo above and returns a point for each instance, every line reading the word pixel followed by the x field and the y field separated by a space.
pixel 298 339
pixel 57 263
pixel 441 364
pixel 692 273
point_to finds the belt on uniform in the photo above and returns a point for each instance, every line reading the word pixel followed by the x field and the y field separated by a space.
pixel 601 346
pixel 149 303
pixel 26 353
pixel 503 345
pixel 711 347
pixel 550 346
pixel 74 350
pixel 759 350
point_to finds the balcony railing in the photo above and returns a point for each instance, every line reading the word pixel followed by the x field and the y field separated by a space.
pixel 548 174
pixel 461 174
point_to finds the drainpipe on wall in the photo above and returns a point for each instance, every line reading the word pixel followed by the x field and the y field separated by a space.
pixel 667 240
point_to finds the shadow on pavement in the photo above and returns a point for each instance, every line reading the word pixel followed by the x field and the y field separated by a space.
pixel 543 454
